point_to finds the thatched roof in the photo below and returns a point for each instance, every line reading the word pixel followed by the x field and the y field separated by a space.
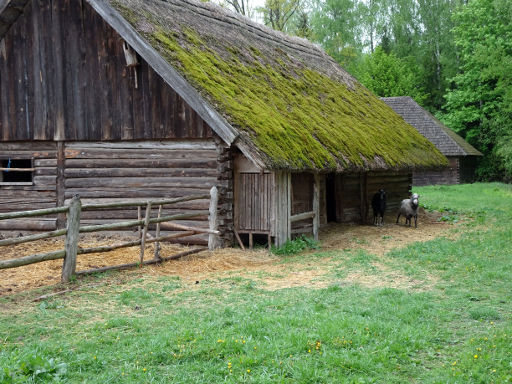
pixel 446 140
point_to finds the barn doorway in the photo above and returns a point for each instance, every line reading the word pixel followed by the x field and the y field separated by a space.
pixel 330 197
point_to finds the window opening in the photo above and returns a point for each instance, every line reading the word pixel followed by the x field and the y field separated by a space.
pixel 16 171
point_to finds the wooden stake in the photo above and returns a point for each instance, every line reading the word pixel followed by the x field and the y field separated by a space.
pixel 72 236
pixel 144 232
pixel 157 234
pixel 139 217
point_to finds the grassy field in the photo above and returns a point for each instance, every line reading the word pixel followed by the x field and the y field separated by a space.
pixel 456 329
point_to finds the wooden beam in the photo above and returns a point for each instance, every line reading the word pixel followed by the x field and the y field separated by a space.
pixel 36 212
pixel 302 216
pixel 316 206
pixel 213 239
pixel 26 260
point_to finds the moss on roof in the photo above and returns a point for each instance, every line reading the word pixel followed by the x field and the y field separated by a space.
pixel 295 116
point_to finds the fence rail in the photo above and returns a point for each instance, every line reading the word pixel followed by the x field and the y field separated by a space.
pixel 73 230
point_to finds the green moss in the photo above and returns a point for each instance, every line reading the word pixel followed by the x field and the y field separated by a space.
pixel 298 117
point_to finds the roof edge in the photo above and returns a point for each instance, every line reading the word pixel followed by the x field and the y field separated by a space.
pixel 192 97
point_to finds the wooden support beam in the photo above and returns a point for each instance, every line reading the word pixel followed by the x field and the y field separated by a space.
pixel 61 157
pixel 237 236
pixel 316 206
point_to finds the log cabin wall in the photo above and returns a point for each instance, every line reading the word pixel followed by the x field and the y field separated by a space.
pixel 449 175
pixel 64 76
pixel 107 172
pixel 39 193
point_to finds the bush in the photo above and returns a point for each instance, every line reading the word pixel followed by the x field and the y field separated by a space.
pixel 296 245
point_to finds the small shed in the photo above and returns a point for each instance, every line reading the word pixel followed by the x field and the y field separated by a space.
pixel 145 99
pixel 462 156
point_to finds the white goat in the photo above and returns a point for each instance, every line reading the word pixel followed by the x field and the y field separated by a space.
pixel 409 208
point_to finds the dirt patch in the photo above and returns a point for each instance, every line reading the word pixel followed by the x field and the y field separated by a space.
pixel 260 266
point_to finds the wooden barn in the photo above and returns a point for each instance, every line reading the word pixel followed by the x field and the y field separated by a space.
pixel 139 99
pixel 462 156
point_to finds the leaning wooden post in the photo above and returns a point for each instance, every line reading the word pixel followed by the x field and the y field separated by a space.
pixel 145 232
pixel 72 235
pixel 213 240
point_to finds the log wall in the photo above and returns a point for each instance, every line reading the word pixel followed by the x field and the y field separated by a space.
pixel 64 76
pixel 449 175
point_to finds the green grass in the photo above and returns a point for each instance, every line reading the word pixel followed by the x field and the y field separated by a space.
pixel 161 330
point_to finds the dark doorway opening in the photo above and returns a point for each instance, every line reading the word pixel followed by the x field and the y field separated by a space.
pixel 330 197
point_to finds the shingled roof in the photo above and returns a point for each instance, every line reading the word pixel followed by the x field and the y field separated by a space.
pixel 283 101
pixel 446 140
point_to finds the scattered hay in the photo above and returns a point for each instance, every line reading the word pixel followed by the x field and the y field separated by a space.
pixel 258 265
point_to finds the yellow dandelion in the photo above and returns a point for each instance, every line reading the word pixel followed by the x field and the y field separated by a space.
pixel 94 357
pixel 255 348
pixel 243 341
pixel 248 371
pixel 144 369
pixel 454 363
pixel 309 350
pixel 493 370
pixel 475 356
pixel 479 349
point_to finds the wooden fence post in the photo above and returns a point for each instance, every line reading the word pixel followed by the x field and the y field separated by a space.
pixel 145 232
pixel 213 240
pixel 72 235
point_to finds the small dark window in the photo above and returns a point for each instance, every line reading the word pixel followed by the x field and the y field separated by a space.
pixel 16 171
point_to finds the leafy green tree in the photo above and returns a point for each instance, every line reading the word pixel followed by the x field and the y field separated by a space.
pixel 387 75
pixel 480 104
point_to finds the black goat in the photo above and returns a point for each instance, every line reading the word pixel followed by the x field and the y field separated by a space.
pixel 379 206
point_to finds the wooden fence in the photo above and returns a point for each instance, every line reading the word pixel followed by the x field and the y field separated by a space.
pixel 73 230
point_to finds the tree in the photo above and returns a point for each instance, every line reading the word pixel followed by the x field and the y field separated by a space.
pixel 387 75
pixel 480 104
pixel 278 13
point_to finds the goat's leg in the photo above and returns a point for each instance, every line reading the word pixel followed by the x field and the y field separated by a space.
pixel 415 221
pixel 397 218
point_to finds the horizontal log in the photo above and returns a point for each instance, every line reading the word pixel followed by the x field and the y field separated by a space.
pixel 28 225
pixel 17 169
pixel 45 162
pixel 302 216
pixel 26 260
pixel 147 262
pixel 34 213
pixel 128 213
pixel 141 163
pixel 46 171
pixel 28 146
pixel 174 226
pixel 73 153
pixel 42 180
pixel 134 172
pixel 108 248
pixel 139 203
pixel 191 145
pixel 192 204
pixel 29 238
pixel 142 182
pixel 132 223
pixel 151 193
